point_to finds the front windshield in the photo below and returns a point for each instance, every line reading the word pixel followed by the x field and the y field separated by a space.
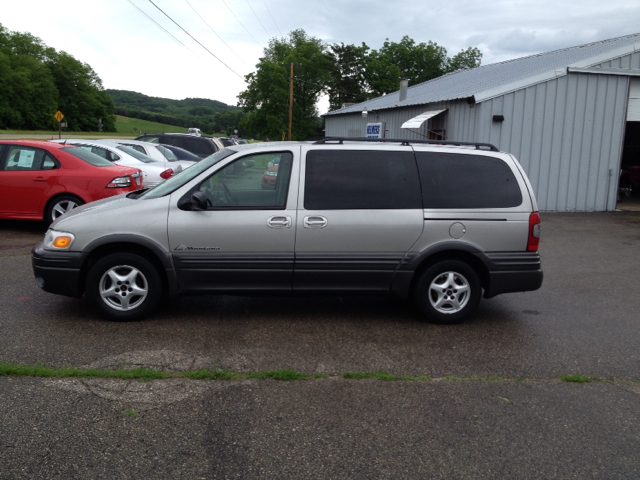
pixel 172 184
pixel 136 154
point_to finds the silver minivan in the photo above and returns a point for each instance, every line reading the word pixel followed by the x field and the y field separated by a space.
pixel 441 223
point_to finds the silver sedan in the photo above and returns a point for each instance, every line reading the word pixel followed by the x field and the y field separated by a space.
pixel 154 172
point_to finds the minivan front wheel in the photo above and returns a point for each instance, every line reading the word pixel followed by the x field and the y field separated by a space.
pixel 448 292
pixel 124 286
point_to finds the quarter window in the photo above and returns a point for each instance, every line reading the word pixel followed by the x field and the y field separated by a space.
pixel 101 152
pixel 466 181
pixel 348 179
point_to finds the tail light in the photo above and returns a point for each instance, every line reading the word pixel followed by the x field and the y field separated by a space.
pixel 120 182
pixel 534 232
pixel 167 174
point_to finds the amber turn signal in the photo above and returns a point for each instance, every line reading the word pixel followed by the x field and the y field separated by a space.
pixel 62 242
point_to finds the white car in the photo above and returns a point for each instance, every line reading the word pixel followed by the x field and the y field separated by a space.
pixel 153 150
pixel 154 172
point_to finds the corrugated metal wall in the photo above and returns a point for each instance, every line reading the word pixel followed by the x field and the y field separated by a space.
pixel 459 119
pixel 567 133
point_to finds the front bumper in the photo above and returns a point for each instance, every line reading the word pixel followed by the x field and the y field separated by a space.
pixel 58 272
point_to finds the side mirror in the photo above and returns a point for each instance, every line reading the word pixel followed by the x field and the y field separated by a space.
pixel 199 201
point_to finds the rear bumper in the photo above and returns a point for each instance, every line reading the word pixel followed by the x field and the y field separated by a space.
pixel 58 272
pixel 513 272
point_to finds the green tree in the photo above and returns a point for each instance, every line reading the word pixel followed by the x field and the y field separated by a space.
pixel 82 97
pixel 349 75
pixel 229 121
pixel 406 59
pixel 36 81
pixel 469 58
pixel 266 99
pixel 29 96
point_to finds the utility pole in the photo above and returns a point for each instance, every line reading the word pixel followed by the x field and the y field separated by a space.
pixel 290 101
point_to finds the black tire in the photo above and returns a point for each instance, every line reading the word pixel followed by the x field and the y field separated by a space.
pixel 448 292
pixel 59 206
pixel 124 301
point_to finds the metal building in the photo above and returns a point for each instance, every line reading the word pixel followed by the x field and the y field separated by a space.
pixel 563 114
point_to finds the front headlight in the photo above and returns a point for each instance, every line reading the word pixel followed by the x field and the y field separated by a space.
pixel 54 240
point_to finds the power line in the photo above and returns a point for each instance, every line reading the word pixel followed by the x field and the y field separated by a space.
pixel 167 32
pixel 258 18
pixel 160 26
pixel 245 28
pixel 274 20
pixel 194 39
pixel 232 51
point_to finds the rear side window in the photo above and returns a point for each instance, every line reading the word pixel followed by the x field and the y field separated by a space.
pixel 149 138
pixel 199 146
pixel 168 154
pixel 87 156
pixel 367 180
pixel 135 154
pixel 135 147
pixel 25 159
pixel 466 181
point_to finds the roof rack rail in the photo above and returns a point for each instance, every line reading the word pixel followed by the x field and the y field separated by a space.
pixel 341 140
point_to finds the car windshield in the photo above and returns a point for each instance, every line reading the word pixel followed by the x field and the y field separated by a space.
pixel 171 185
pixel 167 153
pixel 135 154
pixel 87 156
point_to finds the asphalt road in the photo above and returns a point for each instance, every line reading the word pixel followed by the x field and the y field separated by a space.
pixel 583 321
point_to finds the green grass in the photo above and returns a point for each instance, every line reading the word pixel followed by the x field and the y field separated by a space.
pixel 384 376
pixel 577 379
pixel 125 127
pixel 146 374
pixel 39 134
pixel 133 127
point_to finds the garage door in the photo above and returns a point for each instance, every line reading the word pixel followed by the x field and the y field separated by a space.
pixel 633 110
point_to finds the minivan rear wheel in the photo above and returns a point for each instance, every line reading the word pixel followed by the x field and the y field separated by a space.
pixel 124 286
pixel 448 292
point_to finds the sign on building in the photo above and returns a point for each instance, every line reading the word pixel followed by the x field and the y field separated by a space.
pixel 375 130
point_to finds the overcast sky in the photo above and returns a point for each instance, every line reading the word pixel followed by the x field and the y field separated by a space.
pixel 129 52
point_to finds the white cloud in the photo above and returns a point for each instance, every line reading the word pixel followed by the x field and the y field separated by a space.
pixel 129 52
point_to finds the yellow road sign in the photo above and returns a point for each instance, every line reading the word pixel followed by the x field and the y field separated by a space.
pixel 58 116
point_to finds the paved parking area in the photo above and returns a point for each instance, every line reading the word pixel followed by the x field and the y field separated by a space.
pixel 583 321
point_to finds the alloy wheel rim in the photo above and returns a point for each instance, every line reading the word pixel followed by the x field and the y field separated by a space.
pixel 449 292
pixel 123 288
pixel 63 207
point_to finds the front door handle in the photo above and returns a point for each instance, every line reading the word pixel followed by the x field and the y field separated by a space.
pixel 316 221
pixel 279 222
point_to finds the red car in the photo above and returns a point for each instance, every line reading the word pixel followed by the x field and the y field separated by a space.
pixel 43 180
pixel 269 178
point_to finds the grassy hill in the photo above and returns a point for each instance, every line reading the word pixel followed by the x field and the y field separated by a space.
pixel 167 106
pixel 126 127
pixel 133 126
pixel 208 115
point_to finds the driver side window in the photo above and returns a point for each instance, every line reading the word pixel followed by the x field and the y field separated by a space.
pixel 256 181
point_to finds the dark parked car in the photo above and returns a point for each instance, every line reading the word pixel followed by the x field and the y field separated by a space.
pixel 181 153
pixel 201 146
